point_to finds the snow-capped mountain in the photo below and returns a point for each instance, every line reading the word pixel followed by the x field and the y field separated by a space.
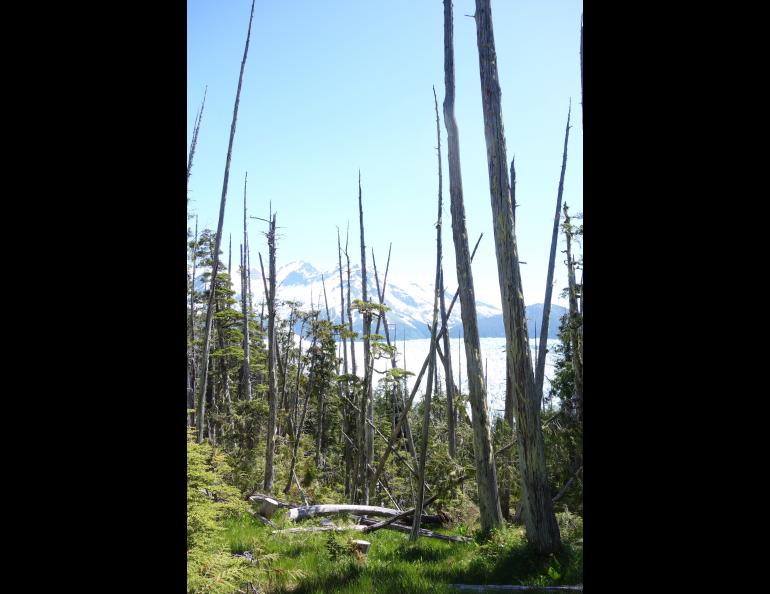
pixel 410 303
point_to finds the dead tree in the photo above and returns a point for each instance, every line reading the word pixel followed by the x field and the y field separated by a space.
pixel 348 452
pixel 191 358
pixel 201 408
pixel 447 358
pixel 246 385
pixel 366 449
pixel 194 142
pixel 432 365
pixel 540 369
pixel 541 528
pixel 575 320
pixel 486 472
pixel 402 419
pixel 271 364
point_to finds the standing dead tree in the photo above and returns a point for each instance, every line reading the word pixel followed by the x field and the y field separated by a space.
pixel 432 365
pixel 575 319
pixel 272 347
pixel 486 472
pixel 404 414
pixel 348 452
pixel 540 369
pixel 366 439
pixel 447 358
pixel 541 528
pixel 194 141
pixel 246 381
pixel 201 405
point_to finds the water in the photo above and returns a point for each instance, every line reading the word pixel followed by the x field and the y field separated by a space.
pixel 412 353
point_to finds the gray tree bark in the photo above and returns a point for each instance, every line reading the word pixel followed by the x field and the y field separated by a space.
pixel 366 449
pixel 201 408
pixel 541 528
pixel 246 385
pixel 348 452
pixel 271 365
pixel 447 359
pixel 194 141
pixel 575 320
pixel 486 473
pixel 540 369
pixel 432 365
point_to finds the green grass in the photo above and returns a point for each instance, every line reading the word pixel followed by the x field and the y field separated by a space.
pixel 303 564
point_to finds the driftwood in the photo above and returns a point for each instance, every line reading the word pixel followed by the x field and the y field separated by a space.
pixel 302 513
pixel 506 588
pixel 366 523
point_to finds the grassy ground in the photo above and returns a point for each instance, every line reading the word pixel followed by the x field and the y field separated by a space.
pixel 304 563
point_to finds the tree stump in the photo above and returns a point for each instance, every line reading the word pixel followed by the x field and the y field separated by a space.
pixel 266 506
pixel 362 546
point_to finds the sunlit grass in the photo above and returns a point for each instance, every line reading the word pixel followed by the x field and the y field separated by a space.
pixel 394 566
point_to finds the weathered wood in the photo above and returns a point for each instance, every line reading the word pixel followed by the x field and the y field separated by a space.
pixel 406 514
pixel 540 369
pixel 361 527
pixel 507 588
pixel 246 379
pixel 266 506
pixel 486 472
pixel 403 418
pixel 298 514
pixel 272 388
pixel 423 532
pixel 199 118
pixel 362 546
pixel 541 527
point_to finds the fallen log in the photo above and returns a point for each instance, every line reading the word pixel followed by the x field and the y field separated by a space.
pixel 365 522
pixel 406 514
pixel 362 527
pixel 506 588
pixel 302 513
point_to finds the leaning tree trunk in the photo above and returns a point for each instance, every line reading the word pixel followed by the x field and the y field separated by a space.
pixel 542 530
pixel 486 473
pixel 197 128
pixel 271 365
pixel 201 408
pixel 540 369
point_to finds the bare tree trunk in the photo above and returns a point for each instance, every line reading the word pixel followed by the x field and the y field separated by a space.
pixel 301 422
pixel 486 473
pixel 540 370
pixel 432 366
pixel 272 356
pixel 348 452
pixel 199 118
pixel 408 405
pixel 191 360
pixel 575 321
pixel 447 359
pixel 201 412
pixel 246 387
pixel 367 443
pixel 541 528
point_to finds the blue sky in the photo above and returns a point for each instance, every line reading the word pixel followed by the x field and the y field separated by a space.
pixel 341 85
